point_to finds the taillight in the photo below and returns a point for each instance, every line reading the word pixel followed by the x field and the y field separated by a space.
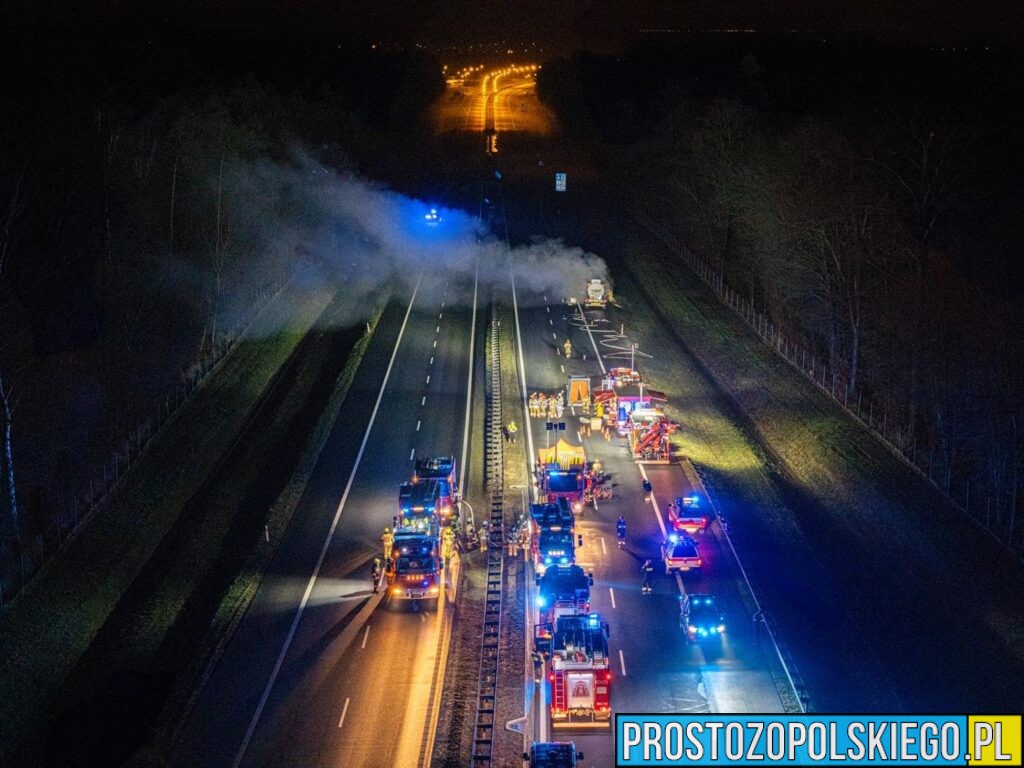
pixel 698 561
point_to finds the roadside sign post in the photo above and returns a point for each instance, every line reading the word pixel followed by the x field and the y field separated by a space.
pixel 560 182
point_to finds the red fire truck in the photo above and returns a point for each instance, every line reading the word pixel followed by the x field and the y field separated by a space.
pixel 579 673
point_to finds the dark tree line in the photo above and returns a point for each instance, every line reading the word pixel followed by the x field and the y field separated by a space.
pixel 130 232
pixel 864 197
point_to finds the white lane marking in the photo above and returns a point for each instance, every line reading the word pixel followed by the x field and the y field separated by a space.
pixel 440 315
pixel 548 309
pixel 563 371
pixel 592 342
pixel 418 426
pixel 344 711
pixel 438 329
pixel 553 336
pixel 412 453
pixel 469 380
pixel 366 636
pixel 579 436
pixel 550 321
pixel 424 400
pixel 428 378
pixel 611 591
pixel 604 549
pixel 431 359
pixel 661 524
pixel 435 344
pixel 545 297
pixel 442 303
pixel 622 662
pixel 327 543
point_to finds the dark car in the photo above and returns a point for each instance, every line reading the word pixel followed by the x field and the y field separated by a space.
pixel 700 617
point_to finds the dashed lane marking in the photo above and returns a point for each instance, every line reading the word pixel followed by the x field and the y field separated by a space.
pixel 344 711
pixel 418 426
pixel 622 662
pixel 431 359
pixel 428 378
pixel 424 400
pixel 435 343
pixel 553 336
pixel 438 329
pixel 604 549
pixel 412 453
pixel 366 635
pixel 563 371
pixel 611 591
pixel 550 321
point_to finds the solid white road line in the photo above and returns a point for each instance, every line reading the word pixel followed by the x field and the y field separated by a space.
pixel 622 662
pixel 344 711
pixel 591 335
pixel 469 381
pixel 327 543
pixel 366 635
pixel 611 591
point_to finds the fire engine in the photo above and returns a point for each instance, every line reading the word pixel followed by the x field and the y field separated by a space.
pixel 553 542
pixel 414 572
pixel 553 754
pixel 561 474
pixel 564 591
pixel 578 670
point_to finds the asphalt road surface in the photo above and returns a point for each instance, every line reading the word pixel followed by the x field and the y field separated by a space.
pixel 320 670
pixel 654 668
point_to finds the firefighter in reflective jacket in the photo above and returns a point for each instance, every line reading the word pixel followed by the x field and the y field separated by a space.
pixel 646 570
pixel 568 348
pixel 387 539
pixel 512 430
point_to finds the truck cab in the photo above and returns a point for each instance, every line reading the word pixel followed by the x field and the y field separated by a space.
pixel 680 555
pixel 564 591
pixel 553 754
pixel 414 572
pixel 597 294
pixel 422 505
pixel 553 547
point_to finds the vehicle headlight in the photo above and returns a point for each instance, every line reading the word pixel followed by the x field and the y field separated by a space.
pixel 721 628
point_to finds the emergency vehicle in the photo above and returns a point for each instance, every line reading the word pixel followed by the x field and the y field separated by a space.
pixel 553 754
pixel 561 474
pixel 700 617
pixel 563 591
pixel 414 572
pixel 552 540
pixel 420 506
pixel 684 515
pixel 680 555
pixel 579 674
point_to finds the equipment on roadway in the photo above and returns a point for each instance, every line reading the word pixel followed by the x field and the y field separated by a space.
pixel 700 617
pixel 577 390
pixel 648 431
pixel 578 670
pixel 680 555
pixel 553 754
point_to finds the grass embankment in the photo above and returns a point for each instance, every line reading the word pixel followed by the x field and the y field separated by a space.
pixel 838 534
pixel 49 635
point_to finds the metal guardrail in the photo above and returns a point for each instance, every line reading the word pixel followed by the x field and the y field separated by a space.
pixel 487 681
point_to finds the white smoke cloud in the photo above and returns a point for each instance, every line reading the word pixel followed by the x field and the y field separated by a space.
pixel 362 235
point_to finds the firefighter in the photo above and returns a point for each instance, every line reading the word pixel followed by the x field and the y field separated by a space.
pixel 538 666
pixel 568 348
pixel 448 542
pixel 620 529
pixel 647 490
pixel 512 430
pixel 375 572
pixel 646 571
pixel 387 539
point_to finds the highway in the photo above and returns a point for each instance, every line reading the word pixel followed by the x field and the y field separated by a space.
pixel 321 671
pixel 654 668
